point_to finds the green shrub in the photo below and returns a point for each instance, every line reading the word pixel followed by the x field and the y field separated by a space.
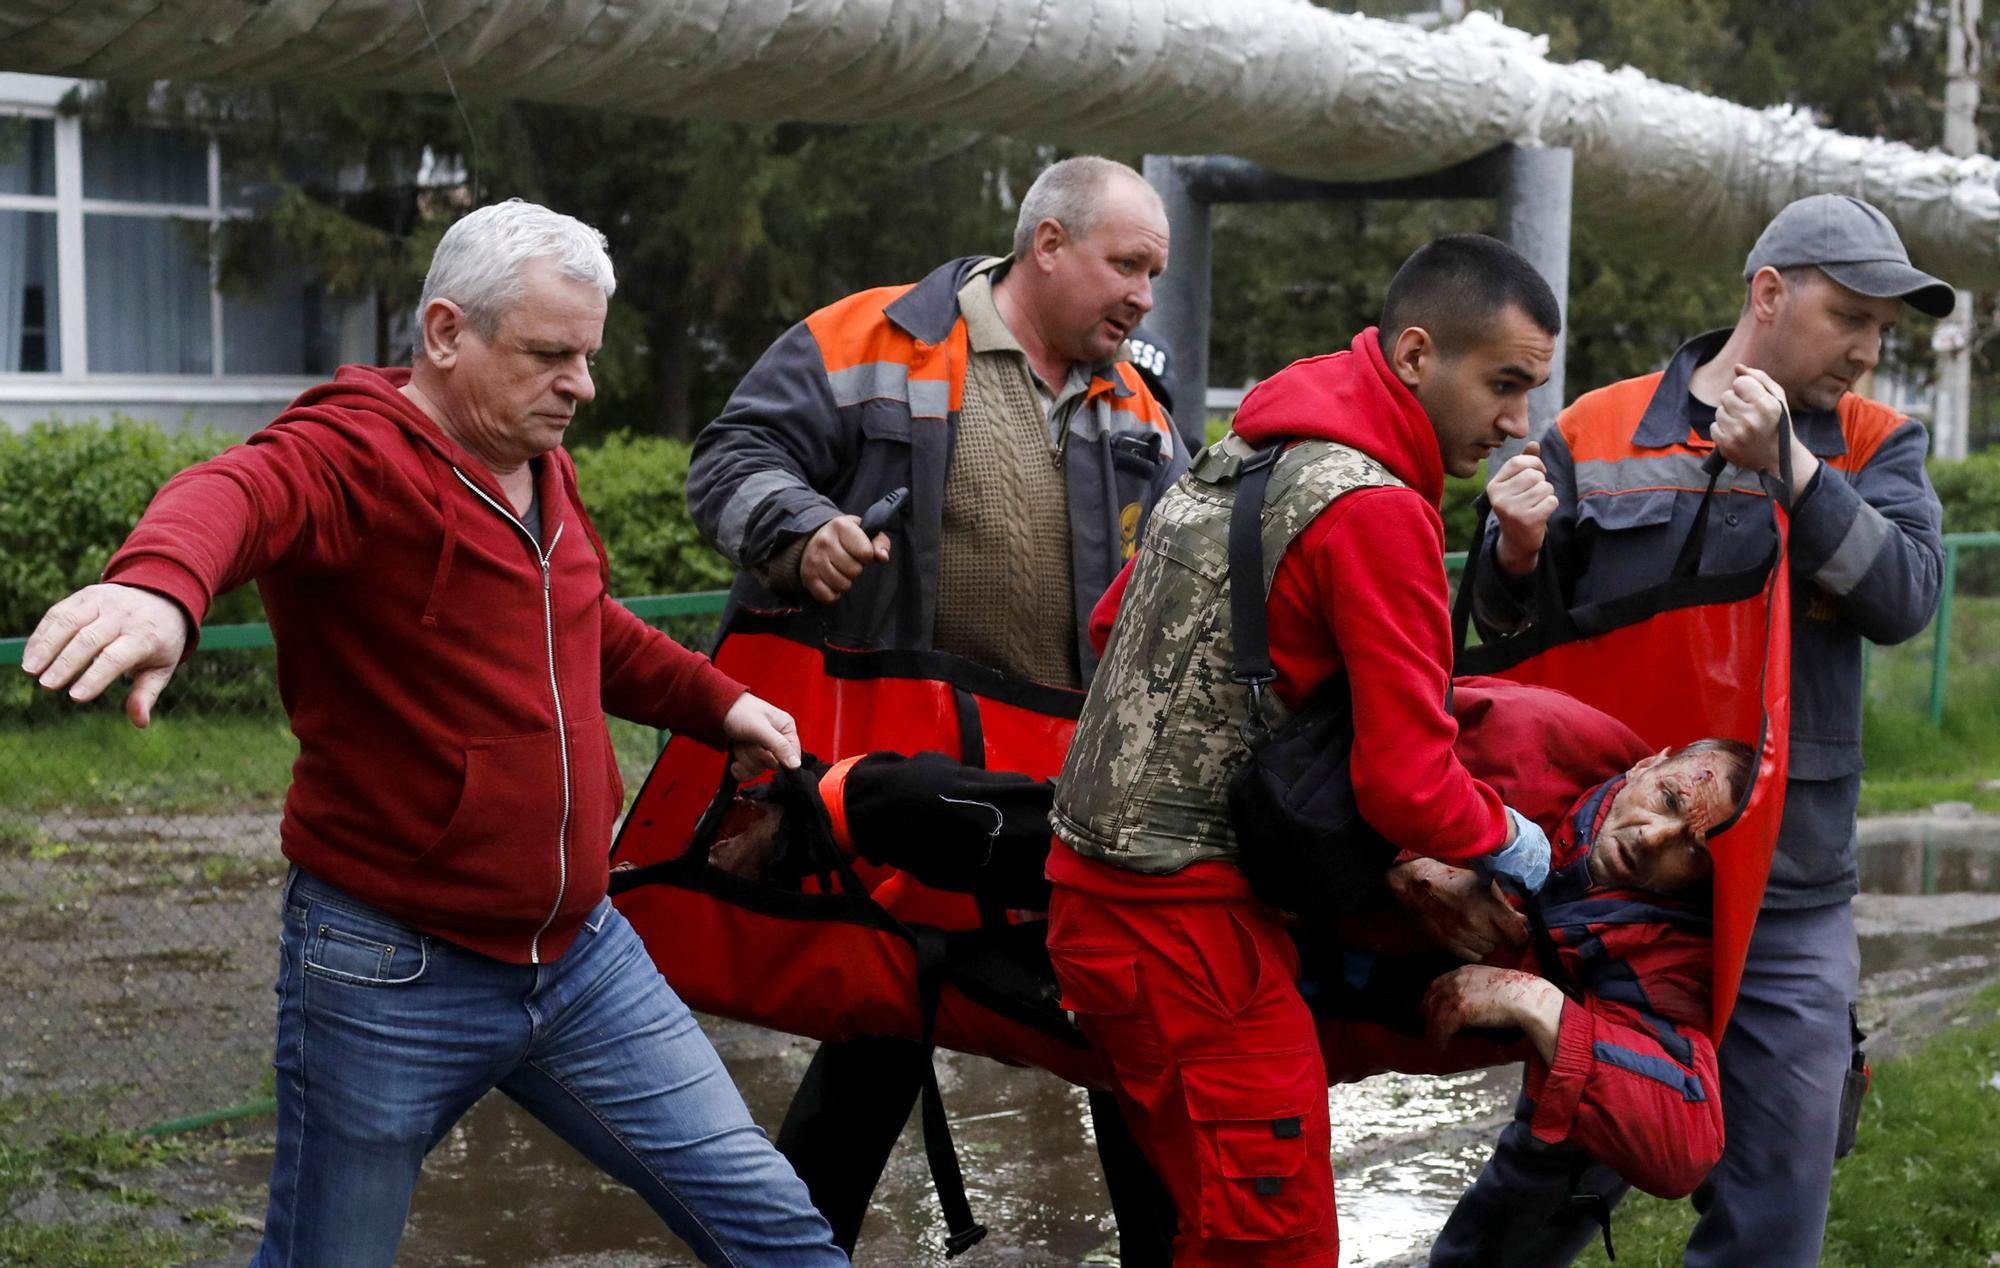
pixel 1970 491
pixel 69 492
pixel 636 490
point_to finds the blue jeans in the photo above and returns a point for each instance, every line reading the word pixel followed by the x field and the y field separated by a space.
pixel 387 1036
pixel 1781 1063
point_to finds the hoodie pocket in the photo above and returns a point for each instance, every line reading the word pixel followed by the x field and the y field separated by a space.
pixel 507 827
pixel 599 793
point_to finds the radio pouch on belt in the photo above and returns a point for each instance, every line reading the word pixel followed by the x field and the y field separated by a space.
pixel 1853 1087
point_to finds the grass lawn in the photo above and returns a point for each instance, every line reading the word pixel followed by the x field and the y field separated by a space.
pixel 185 763
pixel 1918 1188
pixel 108 1186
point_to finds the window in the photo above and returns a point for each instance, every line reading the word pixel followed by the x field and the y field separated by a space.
pixel 143 204
pixel 29 333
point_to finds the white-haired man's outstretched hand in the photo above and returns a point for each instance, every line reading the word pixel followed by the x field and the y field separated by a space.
pixel 103 632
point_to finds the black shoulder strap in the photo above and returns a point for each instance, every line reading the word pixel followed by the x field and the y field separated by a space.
pixel 1687 561
pixel 1247 627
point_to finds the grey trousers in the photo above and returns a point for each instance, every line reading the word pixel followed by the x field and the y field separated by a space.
pixel 1782 1062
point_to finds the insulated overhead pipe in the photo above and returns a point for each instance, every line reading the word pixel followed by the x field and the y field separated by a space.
pixel 1327 96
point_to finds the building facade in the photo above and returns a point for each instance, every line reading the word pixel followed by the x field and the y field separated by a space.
pixel 109 301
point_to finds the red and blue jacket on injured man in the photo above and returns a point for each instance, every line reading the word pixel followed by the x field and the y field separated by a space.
pixel 1602 982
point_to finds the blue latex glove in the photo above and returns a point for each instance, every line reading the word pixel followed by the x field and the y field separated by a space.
pixel 1524 861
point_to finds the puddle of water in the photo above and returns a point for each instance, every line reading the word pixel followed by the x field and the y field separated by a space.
pixel 502 1190
pixel 1928 916
pixel 1933 862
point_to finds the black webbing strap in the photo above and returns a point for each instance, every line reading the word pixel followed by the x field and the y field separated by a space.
pixel 1246 564
pixel 709 826
pixel 971 734
pixel 972 752
pixel 1688 561
pixel 1248 628
pixel 800 791
pixel 962 1232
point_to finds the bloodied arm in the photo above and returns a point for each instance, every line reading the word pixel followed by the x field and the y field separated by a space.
pixel 1484 996
pixel 1625 1072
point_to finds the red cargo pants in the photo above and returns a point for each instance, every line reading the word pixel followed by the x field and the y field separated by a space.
pixel 1214 1057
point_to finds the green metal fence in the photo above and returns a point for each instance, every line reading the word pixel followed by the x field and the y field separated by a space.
pixel 1941 643
pixel 139 870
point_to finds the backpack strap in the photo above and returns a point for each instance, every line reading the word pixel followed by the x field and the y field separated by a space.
pixel 1248 627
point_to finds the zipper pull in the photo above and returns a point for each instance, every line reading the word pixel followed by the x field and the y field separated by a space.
pixel 545 575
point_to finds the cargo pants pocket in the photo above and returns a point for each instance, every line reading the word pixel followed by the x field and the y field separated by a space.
pixel 1255 1132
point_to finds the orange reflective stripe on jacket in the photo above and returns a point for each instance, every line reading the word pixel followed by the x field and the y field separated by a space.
pixel 868 358
pixel 1599 427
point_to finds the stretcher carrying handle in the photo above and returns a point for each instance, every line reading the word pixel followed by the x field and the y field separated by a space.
pixel 1548 588
pixel 1688 562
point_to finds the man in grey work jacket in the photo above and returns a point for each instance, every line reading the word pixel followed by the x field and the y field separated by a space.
pixel 1610 498
pixel 1000 393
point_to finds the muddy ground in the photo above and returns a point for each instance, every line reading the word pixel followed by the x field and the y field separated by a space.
pixel 143 955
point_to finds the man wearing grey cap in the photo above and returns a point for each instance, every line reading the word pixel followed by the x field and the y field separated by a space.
pixel 1609 499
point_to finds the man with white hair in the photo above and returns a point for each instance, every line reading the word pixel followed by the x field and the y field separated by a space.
pixel 1000 393
pixel 447 648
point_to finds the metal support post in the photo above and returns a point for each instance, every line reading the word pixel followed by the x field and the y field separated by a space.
pixel 1955 334
pixel 1534 199
pixel 1180 297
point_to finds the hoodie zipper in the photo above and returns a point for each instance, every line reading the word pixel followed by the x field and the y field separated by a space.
pixel 555 693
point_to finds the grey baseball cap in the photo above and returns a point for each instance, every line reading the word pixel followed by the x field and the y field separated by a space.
pixel 1852 243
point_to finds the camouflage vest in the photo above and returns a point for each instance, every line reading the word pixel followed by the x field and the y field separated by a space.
pixel 1145 784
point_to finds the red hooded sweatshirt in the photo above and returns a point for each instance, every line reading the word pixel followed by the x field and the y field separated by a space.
pixel 447 677
pixel 1364 587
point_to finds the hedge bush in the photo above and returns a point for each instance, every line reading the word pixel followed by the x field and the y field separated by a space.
pixel 69 493
pixel 1970 491
pixel 636 490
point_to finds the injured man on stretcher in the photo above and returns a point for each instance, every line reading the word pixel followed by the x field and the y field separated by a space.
pixel 1601 982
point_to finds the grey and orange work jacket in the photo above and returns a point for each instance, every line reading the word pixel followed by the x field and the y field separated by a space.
pixel 1866 559
pixel 862 398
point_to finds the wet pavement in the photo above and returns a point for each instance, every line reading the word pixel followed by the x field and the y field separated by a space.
pixel 502 1192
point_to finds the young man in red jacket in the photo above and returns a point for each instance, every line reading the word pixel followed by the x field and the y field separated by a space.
pixel 447 649
pixel 1182 977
